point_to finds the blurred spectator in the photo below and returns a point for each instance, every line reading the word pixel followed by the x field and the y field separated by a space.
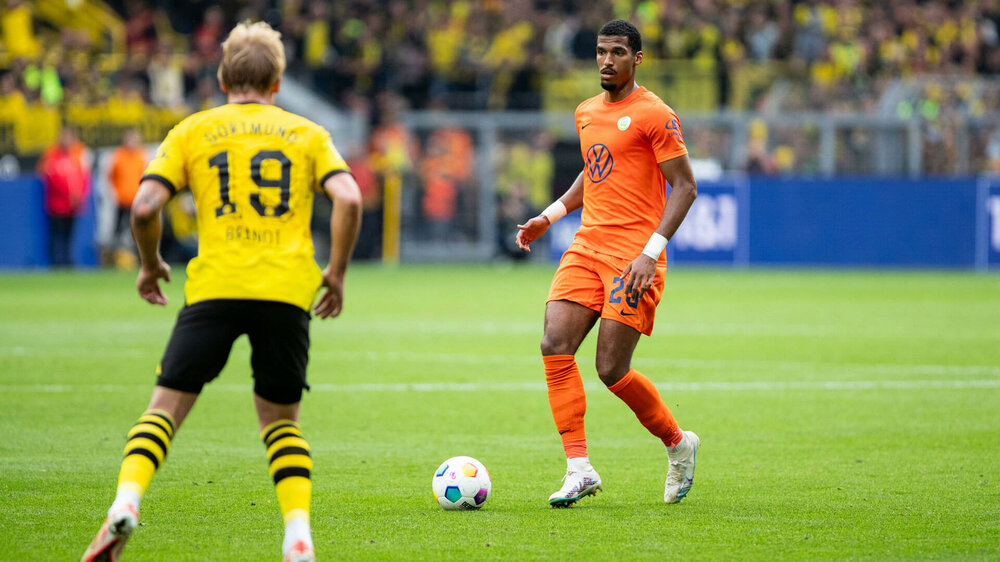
pixel 18 30
pixel 166 78
pixel 140 28
pixel 207 37
pixel 65 174
pixel 128 161
pixel 393 153
pixel 528 169
pixel 12 103
pixel 369 244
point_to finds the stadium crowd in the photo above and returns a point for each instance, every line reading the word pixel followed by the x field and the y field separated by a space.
pixel 496 54
pixel 381 58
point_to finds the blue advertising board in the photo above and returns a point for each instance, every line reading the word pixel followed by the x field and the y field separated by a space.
pixel 716 229
pixel 894 222
pixel 24 228
pixel 988 224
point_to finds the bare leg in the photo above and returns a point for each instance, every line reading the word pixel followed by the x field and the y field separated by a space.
pixel 176 403
pixel 615 344
pixel 566 325
pixel 269 412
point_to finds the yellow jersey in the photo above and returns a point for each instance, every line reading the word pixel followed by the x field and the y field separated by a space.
pixel 252 169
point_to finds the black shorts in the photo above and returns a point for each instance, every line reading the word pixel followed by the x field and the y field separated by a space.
pixel 204 334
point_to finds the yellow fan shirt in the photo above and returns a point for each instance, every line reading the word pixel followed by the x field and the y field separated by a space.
pixel 253 170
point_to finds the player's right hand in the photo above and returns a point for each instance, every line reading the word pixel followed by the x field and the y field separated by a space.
pixel 530 231
pixel 148 282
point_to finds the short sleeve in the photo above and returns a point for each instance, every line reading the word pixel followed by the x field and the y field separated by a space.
pixel 664 130
pixel 167 165
pixel 328 160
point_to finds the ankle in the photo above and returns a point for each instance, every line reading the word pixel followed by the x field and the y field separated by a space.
pixel 296 530
pixel 125 498
pixel 578 464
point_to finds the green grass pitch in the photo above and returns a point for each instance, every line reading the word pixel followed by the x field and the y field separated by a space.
pixel 845 415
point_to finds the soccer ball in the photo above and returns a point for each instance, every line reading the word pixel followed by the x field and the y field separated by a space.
pixel 461 483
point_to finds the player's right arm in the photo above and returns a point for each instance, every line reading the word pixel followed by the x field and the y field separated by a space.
pixel 165 173
pixel 536 226
pixel 345 222
pixel 146 229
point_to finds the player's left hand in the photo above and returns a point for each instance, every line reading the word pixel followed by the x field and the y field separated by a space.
pixel 639 275
pixel 148 282
pixel 332 301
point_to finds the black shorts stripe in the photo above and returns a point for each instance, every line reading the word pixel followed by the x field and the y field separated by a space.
pixel 291 471
pixel 282 434
pixel 148 454
pixel 289 451
pixel 152 437
pixel 162 426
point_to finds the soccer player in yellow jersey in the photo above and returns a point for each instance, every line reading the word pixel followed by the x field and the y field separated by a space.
pixel 253 170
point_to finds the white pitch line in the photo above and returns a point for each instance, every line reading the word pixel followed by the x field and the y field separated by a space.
pixel 730 366
pixel 534 328
pixel 721 386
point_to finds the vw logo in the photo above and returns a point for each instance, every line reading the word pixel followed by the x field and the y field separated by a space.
pixel 599 162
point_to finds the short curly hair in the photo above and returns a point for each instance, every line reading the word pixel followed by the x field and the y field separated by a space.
pixel 624 29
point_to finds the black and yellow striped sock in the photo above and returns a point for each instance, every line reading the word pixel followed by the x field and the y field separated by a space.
pixel 290 466
pixel 146 448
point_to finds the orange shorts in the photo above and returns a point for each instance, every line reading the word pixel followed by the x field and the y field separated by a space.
pixel 593 279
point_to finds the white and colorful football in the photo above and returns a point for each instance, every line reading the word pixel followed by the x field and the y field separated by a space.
pixel 461 483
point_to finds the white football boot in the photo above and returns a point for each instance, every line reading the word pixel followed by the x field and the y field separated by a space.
pixel 301 551
pixel 114 533
pixel 576 484
pixel 680 476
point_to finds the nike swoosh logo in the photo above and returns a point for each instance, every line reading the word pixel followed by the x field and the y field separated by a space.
pixel 623 313
pixel 563 431
pixel 584 126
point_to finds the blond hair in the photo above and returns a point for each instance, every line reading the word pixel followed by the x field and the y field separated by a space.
pixel 253 58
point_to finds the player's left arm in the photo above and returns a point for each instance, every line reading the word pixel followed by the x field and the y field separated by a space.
pixel 153 194
pixel 345 224
pixel 684 189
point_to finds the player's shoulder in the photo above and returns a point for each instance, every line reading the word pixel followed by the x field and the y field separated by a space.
pixel 653 102
pixel 590 103
pixel 293 118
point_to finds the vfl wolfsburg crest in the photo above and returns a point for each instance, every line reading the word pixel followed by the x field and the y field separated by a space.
pixel 624 122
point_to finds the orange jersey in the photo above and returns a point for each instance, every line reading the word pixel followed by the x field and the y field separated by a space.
pixel 127 165
pixel 623 189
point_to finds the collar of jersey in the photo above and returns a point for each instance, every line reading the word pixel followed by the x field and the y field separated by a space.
pixel 632 96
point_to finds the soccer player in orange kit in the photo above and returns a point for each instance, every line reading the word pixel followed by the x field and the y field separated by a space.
pixel 631 142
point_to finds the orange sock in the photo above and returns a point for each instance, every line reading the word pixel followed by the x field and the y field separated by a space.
pixel 639 393
pixel 568 402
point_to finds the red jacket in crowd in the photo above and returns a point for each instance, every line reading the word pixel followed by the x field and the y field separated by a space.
pixel 66 180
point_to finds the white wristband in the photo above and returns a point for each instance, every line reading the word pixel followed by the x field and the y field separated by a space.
pixel 655 246
pixel 554 211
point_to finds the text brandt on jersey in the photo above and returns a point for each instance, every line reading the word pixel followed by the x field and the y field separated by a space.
pixel 262 236
pixel 250 128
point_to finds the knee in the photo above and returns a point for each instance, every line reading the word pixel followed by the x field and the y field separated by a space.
pixel 610 370
pixel 554 346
